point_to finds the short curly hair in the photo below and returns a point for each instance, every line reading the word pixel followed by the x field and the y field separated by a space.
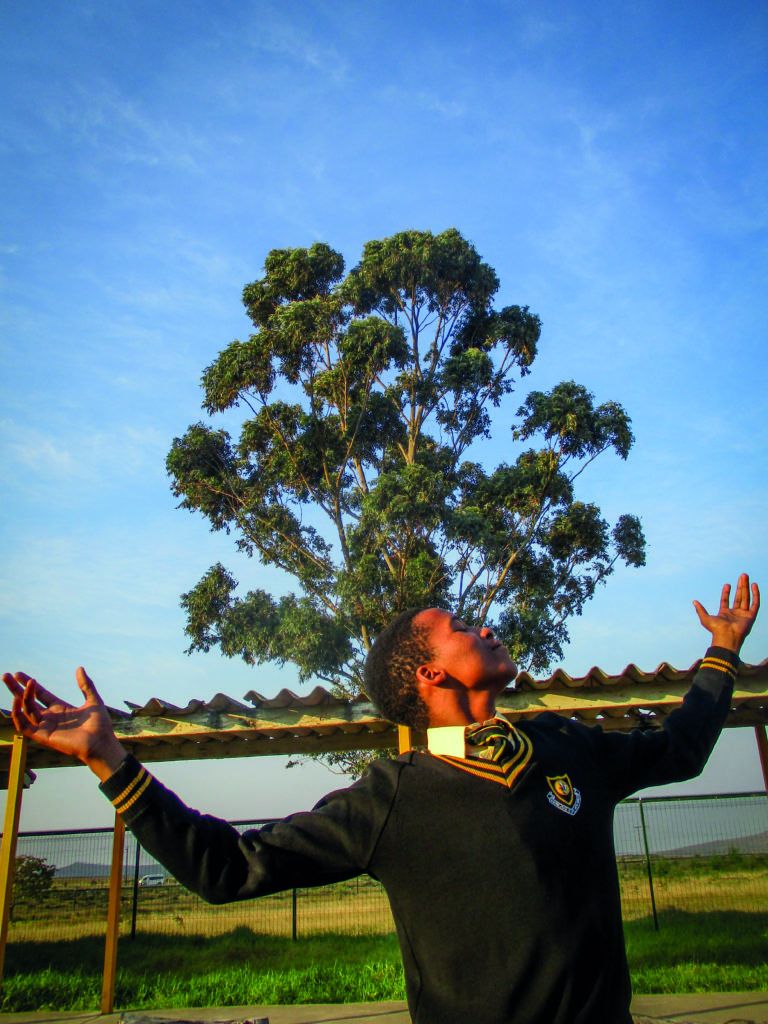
pixel 389 675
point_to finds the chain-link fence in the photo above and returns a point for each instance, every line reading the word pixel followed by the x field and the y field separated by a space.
pixel 693 853
pixel 698 854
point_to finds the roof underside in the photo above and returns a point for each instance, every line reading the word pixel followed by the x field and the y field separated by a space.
pixel 320 723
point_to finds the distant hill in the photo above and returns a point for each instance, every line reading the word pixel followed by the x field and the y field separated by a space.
pixel 82 869
pixel 717 847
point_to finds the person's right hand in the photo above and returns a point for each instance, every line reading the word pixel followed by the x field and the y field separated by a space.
pixel 85 732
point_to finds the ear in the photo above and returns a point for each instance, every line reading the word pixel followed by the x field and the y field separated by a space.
pixel 430 675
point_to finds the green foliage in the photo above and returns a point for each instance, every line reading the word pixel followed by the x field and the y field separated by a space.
pixel 32 879
pixel 367 398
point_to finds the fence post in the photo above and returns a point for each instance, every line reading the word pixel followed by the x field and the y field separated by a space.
pixel 294 915
pixel 648 864
pixel 113 917
pixel 10 834
pixel 135 891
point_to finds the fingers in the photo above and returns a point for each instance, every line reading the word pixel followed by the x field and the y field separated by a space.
pixel 15 687
pixel 86 684
pixel 19 717
pixel 702 612
pixel 742 592
pixel 19 686
pixel 23 688
pixel 18 683
pixel 746 598
pixel 29 705
pixel 45 697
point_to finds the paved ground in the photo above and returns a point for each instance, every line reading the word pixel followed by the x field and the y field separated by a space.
pixel 725 1008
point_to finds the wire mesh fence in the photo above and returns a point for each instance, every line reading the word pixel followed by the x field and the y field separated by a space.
pixel 696 854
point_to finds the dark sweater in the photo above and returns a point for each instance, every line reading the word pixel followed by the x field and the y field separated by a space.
pixel 506 900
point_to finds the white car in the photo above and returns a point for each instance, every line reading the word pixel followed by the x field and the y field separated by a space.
pixel 147 880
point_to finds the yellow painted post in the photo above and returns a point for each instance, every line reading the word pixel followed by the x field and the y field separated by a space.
pixel 10 833
pixel 113 917
pixel 762 749
pixel 404 738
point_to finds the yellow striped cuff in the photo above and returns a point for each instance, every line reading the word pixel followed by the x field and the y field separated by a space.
pixel 132 791
pixel 720 664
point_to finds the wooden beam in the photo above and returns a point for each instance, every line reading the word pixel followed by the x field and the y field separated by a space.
pixel 113 917
pixel 10 834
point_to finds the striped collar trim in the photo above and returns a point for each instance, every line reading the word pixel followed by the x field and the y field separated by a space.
pixel 506 775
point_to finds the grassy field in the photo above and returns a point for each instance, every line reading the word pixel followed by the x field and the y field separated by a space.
pixel 77 908
pixel 732 881
pixel 713 917
pixel 722 951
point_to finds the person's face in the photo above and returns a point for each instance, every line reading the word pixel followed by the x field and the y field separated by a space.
pixel 469 654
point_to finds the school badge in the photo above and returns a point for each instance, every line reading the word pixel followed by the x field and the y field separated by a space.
pixel 562 795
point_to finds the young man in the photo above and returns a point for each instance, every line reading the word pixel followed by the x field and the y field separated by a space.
pixel 496 851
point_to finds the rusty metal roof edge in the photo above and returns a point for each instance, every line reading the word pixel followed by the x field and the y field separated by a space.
pixel 595 678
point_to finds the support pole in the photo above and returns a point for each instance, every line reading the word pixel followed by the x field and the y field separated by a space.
pixel 135 908
pixel 648 865
pixel 404 738
pixel 762 749
pixel 10 834
pixel 113 917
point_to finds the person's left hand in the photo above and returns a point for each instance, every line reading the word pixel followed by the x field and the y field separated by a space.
pixel 731 626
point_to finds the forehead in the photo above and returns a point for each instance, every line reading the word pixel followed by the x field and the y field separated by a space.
pixel 435 619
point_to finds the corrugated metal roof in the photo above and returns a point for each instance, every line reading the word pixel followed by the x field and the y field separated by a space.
pixel 319 722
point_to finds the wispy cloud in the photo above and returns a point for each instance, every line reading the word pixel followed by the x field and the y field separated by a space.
pixel 275 31
pixel 80 454
pixel 94 116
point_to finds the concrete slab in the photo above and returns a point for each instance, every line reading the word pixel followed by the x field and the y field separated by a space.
pixel 705 1008
pixel 709 1008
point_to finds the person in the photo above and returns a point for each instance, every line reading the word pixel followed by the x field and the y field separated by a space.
pixel 497 857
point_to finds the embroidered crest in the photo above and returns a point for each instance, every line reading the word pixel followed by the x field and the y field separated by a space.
pixel 562 795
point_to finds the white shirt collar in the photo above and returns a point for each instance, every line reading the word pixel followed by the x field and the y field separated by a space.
pixel 447 740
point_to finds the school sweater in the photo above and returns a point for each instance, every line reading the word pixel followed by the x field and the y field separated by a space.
pixel 505 897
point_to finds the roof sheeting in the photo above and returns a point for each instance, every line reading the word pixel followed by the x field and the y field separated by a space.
pixel 319 722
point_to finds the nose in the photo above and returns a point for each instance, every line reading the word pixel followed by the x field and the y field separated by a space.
pixel 487 633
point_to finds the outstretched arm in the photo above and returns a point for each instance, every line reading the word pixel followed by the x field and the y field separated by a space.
pixel 680 749
pixel 731 625
pixel 85 732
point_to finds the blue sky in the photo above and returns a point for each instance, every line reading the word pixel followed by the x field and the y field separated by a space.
pixel 610 162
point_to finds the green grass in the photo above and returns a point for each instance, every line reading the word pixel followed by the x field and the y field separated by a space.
pixel 723 951
pixel 236 969
pixel 717 952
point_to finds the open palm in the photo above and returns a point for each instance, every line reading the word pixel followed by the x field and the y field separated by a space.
pixel 83 732
pixel 732 623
